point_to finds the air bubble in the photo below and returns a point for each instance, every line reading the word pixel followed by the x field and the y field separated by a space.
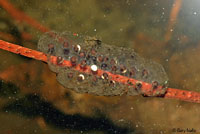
pixel 94 68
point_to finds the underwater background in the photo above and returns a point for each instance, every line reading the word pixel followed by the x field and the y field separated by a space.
pixel 165 31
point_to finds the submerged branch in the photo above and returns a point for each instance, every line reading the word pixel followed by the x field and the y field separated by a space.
pixel 170 92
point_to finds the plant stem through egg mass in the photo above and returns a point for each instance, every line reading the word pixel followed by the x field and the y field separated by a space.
pixel 170 92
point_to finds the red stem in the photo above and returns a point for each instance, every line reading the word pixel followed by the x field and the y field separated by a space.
pixel 21 16
pixel 184 95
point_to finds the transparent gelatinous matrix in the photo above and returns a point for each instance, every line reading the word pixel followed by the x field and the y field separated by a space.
pixel 90 51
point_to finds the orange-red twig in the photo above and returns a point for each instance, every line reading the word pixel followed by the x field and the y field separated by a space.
pixel 172 20
pixel 20 16
pixel 146 88
pixel 23 51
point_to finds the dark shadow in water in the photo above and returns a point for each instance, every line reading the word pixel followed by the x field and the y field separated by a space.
pixel 8 89
pixel 32 106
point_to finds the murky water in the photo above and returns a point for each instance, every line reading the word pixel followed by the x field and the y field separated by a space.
pixel 32 101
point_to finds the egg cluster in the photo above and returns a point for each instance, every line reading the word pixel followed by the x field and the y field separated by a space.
pixel 90 51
